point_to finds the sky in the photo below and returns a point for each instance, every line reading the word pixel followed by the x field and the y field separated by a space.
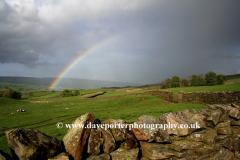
pixel 140 41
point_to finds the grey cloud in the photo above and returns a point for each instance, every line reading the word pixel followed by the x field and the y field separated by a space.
pixel 223 55
pixel 157 39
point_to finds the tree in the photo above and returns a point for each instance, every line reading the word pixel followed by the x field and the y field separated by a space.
pixel 76 93
pixel 168 82
pixel 221 79
pixel 189 78
pixel 175 82
pixel 10 93
pixel 66 93
pixel 195 80
pixel 163 85
pixel 201 80
pixel 69 93
pixel 15 94
pixel 211 78
pixel 184 82
pixel 30 94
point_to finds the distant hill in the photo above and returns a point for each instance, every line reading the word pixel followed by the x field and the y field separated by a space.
pixel 69 83
pixel 234 76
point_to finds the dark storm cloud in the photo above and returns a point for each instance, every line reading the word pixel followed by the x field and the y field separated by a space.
pixel 156 39
pixel 17 35
pixel 185 33
pixel 24 35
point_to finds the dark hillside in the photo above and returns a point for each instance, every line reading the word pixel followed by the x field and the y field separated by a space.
pixel 234 76
pixel 66 82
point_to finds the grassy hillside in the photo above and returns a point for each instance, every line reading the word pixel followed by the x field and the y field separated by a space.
pixel 68 83
pixel 109 94
pixel 43 111
pixel 43 114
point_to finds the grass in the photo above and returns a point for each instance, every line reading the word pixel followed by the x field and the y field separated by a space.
pixel 22 87
pixel 44 116
pixel 233 80
pixel 109 94
pixel 49 94
pixel 83 92
pixel 41 95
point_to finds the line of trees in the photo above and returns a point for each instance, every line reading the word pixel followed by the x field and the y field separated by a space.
pixel 210 79
pixel 10 93
pixel 70 93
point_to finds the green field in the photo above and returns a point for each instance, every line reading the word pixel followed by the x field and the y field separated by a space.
pixel 109 94
pixel 44 116
pixel 41 95
pixel 83 92
pixel 43 111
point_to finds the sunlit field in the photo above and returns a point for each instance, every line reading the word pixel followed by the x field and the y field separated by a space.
pixel 44 109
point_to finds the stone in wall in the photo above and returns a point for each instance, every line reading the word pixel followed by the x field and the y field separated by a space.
pixel 2 157
pixel 32 144
pixel 224 111
pixel 226 143
pixel 221 137
pixel 122 133
pixel 212 115
pixel 224 97
pixel 104 156
pixel 184 144
pixel 191 118
pixel 225 130
pixel 118 132
pixel 155 150
pixel 167 95
pixel 94 142
pixel 139 135
pixel 62 156
pixel 234 111
pixel 181 97
pixel 109 143
pixel 207 135
pixel 150 130
pixel 121 153
pixel 195 117
pixel 177 119
pixel 222 124
pixel 76 137
pixel 235 138
pixel 221 154
pixel 130 142
pixel 191 154
pixel 234 122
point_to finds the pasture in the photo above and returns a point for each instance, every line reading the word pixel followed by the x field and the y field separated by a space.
pixel 44 110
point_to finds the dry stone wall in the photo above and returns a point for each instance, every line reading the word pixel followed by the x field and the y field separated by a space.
pixel 211 133
pixel 167 95
pixel 224 97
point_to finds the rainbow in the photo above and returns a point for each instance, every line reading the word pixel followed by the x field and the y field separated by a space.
pixel 73 63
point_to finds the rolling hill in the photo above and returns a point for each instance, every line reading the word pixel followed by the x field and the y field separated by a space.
pixel 70 83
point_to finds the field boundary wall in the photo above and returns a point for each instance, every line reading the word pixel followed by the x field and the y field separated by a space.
pixel 224 97
pixel 167 95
